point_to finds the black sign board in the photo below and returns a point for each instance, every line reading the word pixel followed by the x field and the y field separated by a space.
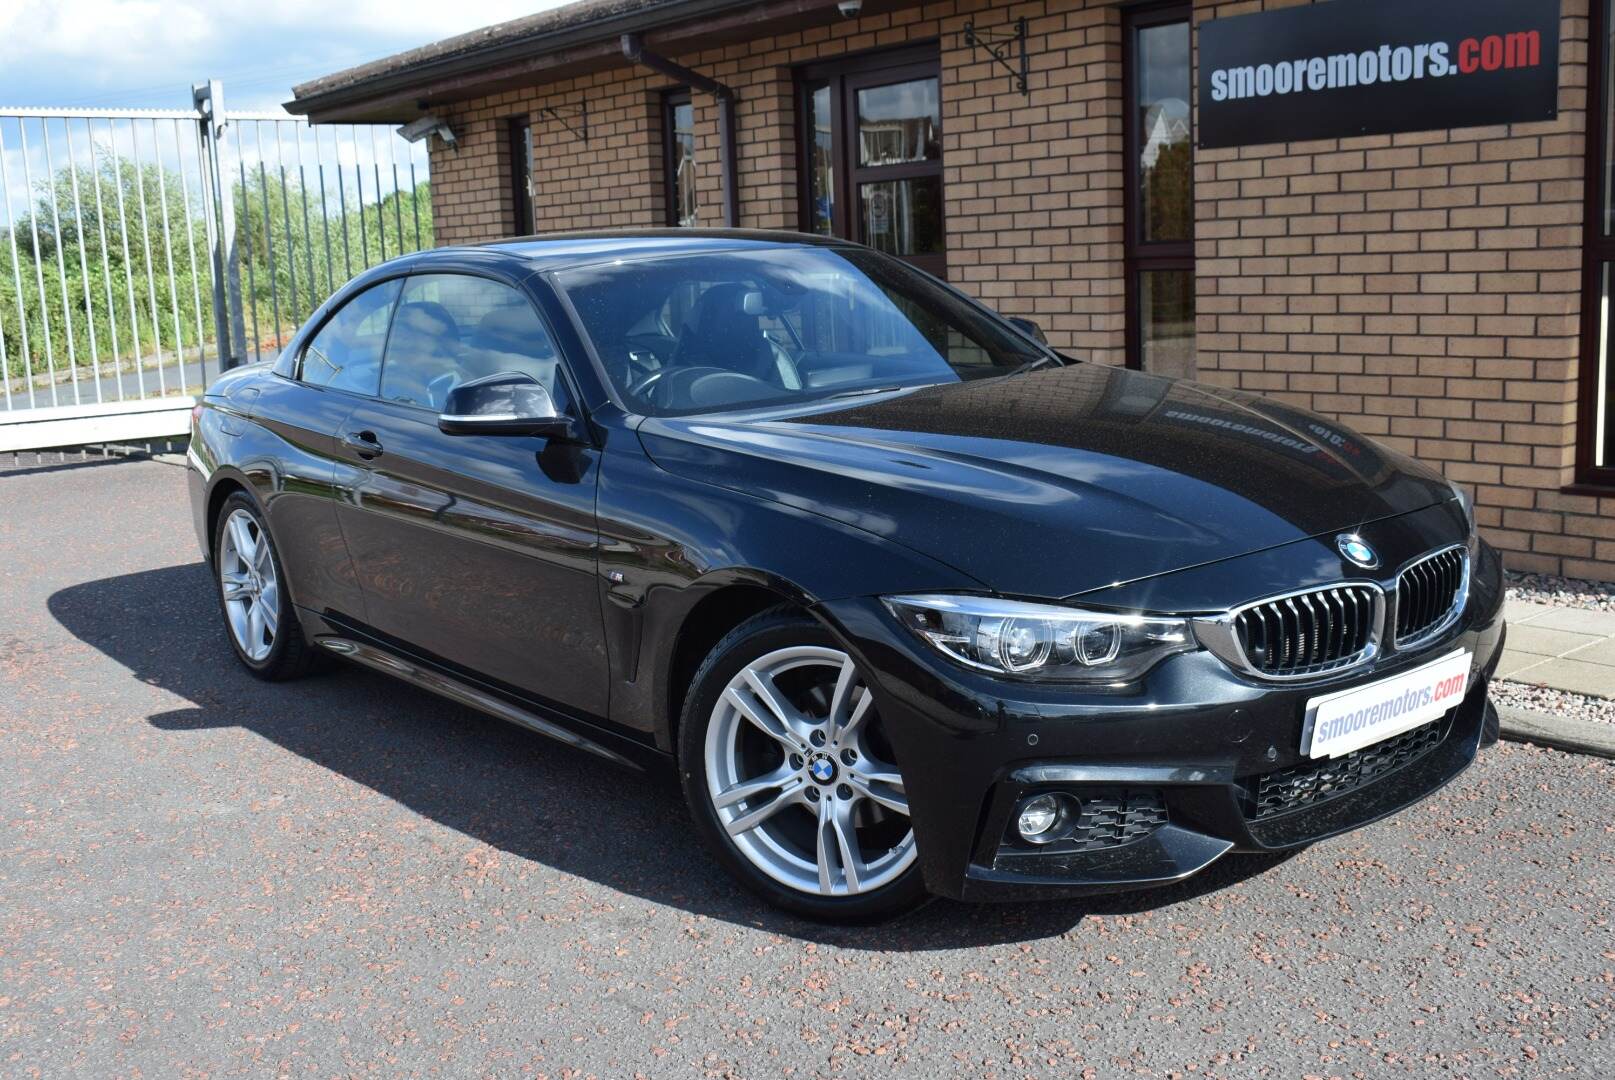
pixel 1371 67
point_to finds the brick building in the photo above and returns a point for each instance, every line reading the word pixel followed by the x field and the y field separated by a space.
pixel 1427 287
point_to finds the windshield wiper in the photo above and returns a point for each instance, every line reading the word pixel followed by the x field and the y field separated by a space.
pixel 1044 361
pixel 865 391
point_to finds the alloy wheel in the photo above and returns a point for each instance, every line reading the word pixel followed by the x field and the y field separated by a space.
pixel 800 775
pixel 248 585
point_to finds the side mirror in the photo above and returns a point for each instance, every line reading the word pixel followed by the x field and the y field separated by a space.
pixel 509 403
pixel 1027 327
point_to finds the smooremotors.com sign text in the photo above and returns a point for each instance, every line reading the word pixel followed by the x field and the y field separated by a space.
pixel 1371 67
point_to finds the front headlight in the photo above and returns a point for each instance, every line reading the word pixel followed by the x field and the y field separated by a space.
pixel 1466 502
pixel 1040 641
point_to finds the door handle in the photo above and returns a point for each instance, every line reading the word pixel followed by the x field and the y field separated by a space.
pixel 363 443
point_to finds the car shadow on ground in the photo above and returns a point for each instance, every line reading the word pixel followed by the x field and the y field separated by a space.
pixel 501 785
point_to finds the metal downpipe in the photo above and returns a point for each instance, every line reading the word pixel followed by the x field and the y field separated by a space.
pixel 633 48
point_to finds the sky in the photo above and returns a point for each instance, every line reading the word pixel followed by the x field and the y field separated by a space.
pixel 147 53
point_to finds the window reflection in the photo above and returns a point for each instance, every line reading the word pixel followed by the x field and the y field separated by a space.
pixel 1160 194
pixel 902 217
pixel 1595 413
pixel 683 209
pixel 899 123
pixel 1604 391
pixel 682 181
pixel 1609 118
pixel 1165 168
pixel 1166 302
pixel 822 196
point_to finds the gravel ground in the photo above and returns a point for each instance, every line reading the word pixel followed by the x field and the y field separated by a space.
pixel 204 875
pixel 1561 591
pixel 1561 703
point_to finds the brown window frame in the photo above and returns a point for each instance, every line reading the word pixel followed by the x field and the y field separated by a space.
pixel 1139 257
pixel 1598 251
pixel 519 148
pixel 845 76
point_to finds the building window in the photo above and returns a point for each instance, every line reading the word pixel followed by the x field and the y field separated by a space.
pixel 1595 430
pixel 871 154
pixel 1160 190
pixel 678 126
pixel 521 176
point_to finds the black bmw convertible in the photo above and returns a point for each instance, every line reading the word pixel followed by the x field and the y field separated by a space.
pixel 913 603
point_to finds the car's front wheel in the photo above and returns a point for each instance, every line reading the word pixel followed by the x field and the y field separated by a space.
pixel 252 597
pixel 789 774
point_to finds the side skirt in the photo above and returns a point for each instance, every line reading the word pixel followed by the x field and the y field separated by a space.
pixel 437 682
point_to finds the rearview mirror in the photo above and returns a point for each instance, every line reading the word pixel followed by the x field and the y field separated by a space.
pixel 1027 327
pixel 510 403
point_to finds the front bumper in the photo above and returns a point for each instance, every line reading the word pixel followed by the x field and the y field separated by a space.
pixel 1207 815
pixel 1171 775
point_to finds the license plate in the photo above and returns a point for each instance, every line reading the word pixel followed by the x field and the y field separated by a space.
pixel 1352 719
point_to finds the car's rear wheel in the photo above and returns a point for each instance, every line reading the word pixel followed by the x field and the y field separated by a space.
pixel 258 614
pixel 789 773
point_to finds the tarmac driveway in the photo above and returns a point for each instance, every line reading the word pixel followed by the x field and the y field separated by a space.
pixel 204 875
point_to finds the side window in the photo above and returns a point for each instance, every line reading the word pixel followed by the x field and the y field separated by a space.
pixel 346 353
pixel 450 329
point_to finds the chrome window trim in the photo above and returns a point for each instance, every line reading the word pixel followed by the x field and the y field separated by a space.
pixel 1460 601
pixel 1218 635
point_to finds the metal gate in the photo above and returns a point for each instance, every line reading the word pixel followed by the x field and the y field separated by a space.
pixel 144 251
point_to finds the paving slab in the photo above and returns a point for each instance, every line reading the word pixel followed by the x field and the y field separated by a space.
pixel 1576 676
pixel 1577 621
pixel 1599 652
pixel 1524 611
pixel 1516 661
pixel 1543 641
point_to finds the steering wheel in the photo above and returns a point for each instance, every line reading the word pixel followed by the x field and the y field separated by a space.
pixel 640 388
pixel 437 389
pixel 687 387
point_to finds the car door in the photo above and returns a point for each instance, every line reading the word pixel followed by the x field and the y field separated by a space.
pixel 476 550
pixel 297 420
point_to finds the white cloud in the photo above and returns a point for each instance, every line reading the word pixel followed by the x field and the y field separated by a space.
pixel 39 31
pixel 428 20
pixel 147 52
pixel 119 31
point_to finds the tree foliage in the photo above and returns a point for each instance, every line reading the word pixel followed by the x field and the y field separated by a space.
pixel 111 265
pixel 1169 192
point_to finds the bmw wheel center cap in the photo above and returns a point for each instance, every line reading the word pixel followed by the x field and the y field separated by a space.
pixel 822 769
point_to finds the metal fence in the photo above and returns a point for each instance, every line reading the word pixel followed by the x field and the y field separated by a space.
pixel 143 251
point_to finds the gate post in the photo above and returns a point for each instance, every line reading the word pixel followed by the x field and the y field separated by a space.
pixel 229 324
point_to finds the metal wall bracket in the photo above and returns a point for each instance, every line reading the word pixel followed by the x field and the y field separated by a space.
pixel 575 118
pixel 1002 45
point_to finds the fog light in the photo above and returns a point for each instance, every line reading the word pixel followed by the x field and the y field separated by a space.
pixel 1043 818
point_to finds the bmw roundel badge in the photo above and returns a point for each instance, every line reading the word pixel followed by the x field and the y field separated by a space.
pixel 1357 551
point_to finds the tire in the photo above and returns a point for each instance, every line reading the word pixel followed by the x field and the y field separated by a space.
pixel 808 814
pixel 250 583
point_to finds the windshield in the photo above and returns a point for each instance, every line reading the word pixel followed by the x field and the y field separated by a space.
pixel 726 330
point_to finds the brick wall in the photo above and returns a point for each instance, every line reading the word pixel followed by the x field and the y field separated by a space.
pixel 1426 289
pixel 1423 287
pixel 1033 184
